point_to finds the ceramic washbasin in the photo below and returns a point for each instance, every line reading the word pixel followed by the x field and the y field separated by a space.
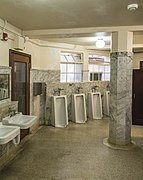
pixel 8 133
pixel 23 121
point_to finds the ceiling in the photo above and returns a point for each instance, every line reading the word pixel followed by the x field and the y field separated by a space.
pixel 63 14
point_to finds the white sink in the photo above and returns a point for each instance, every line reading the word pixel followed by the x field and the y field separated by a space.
pixel 23 121
pixel 8 133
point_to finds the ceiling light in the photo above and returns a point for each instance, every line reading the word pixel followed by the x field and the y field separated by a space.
pixel 100 43
pixel 132 7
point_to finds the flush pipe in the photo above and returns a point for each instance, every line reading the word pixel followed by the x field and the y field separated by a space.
pixel 94 88
pixel 16 140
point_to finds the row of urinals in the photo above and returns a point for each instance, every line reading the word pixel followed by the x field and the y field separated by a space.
pixel 79 113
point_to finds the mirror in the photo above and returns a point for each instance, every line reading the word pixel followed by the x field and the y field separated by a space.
pixel 4 86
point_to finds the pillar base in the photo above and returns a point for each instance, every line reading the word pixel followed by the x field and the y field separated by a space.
pixel 129 146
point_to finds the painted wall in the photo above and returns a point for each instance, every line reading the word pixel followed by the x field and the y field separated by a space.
pixel 45 55
pixel 50 58
pixel 4 54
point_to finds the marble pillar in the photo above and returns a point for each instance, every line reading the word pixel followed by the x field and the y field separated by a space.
pixel 121 98
pixel 121 91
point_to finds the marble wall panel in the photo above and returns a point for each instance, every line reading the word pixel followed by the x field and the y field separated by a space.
pixel 52 80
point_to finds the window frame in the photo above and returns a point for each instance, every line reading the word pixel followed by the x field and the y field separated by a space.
pixel 99 61
pixel 72 63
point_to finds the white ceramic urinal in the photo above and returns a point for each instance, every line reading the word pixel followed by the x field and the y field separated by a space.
pixel 106 99
pixel 78 108
pixel 95 105
pixel 59 111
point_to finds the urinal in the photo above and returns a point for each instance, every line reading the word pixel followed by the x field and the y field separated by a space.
pixel 78 108
pixel 106 99
pixel 59 116
pixel 95 105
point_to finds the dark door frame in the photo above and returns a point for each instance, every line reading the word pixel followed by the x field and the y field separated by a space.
pixel 137 97
pixel 11 64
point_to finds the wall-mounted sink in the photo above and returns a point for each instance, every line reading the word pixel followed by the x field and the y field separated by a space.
pixel 23 121
pixel 8 133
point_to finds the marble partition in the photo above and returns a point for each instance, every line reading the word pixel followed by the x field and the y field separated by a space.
pixel 120 98
pixel 52 80
pixel 38 105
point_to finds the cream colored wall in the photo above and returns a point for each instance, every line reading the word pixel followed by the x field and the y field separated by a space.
pixel 49 58
pixel 44 55
pixel 4 52
pixel 34 51
pixel 137 57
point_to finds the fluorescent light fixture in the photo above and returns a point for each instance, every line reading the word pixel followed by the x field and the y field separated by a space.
pixel 100 43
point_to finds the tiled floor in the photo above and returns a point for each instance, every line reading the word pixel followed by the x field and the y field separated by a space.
pixel 76 153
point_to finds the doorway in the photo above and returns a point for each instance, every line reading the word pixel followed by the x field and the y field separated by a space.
pixel 20 79
pixel 137 97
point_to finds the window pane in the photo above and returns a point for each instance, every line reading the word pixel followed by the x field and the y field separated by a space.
pixel 93 76
pixel 77 58
pixel 63 67
pixel 101 68
pixel 96 67
pixel 107 77
pixel 63 77
pixel 63 58
pixel 91 68
pixel 107 68
pixel 70 77
pixel 69 58
pixel 77 77
pixel 70 68
pixel 102 76
pixel 78 68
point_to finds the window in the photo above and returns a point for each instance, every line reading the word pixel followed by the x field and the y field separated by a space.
pixel 99 68
pixel 71 67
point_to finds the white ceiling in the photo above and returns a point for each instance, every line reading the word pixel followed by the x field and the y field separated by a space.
pixel 63 14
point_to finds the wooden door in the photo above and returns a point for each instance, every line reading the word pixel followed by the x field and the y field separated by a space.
pixel 20 86
pixel 137 98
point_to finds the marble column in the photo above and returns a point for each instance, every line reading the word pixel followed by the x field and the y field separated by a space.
pixel 120 97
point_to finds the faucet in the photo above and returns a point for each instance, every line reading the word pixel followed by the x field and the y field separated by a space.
pixel 13 113
pixel 78 89
pixel 58 91
pixel 108 86
pixel 94 88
